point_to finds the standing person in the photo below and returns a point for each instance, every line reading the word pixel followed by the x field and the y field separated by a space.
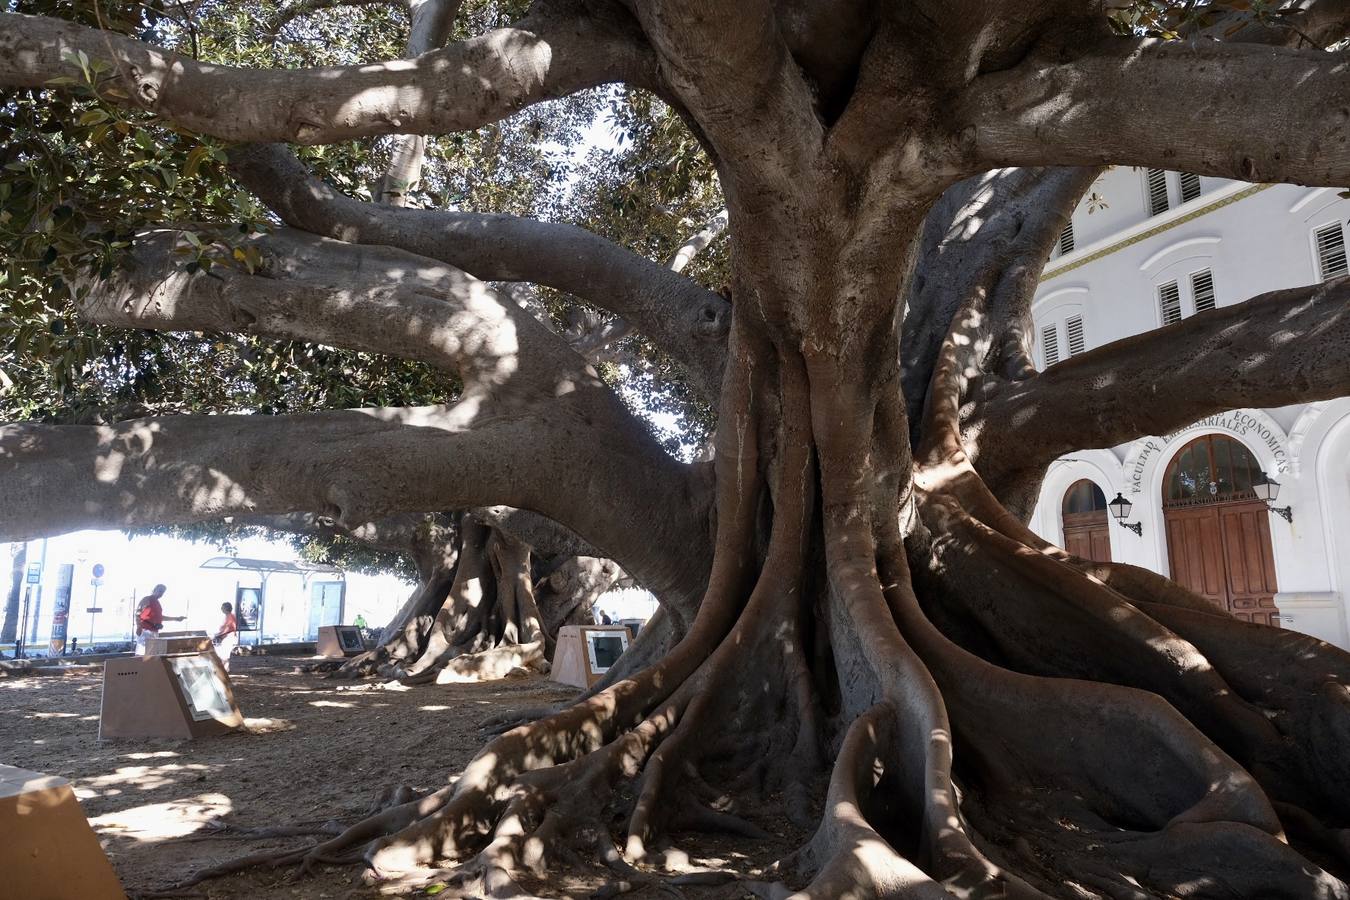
pixel 150 617
pixel 227 638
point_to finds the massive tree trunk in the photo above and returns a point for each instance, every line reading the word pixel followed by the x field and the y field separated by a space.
pixel 991 717
pixel 870 630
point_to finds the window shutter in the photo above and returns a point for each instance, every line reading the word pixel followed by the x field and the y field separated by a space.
pixel 1050 341
pixel 1190 186
pixel 1202 289
pixel 1073 328
pixel 1330 240
pixel 1066 239
pixel 1169 302
pixel 1157 191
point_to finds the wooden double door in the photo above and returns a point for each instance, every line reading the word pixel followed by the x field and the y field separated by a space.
pixel 1088 535
pixel 1222 551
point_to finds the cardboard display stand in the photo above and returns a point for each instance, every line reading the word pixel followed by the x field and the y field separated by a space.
pixel 585 652
pixel 49 852
pixel 167 642
pixel 338 641
pixel 186 695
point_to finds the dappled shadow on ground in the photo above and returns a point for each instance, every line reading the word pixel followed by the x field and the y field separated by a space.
pixel 314 752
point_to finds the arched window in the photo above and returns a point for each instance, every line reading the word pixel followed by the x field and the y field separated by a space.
pixel 1210 469
pixel 1083 496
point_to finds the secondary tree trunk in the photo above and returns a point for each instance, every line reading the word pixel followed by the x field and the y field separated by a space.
pixel 18 560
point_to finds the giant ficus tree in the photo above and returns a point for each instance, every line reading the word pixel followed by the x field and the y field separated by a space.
pixel 860 630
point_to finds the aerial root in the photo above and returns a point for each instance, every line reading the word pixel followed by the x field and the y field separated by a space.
pixel 504 722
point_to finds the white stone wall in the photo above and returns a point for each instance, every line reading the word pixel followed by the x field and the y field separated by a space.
pixel 1253 239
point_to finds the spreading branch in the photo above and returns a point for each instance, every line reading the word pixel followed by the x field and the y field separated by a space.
pixel 1280 348
pixel 471 83
pixel 578 460
pixel 1243 111
pixel 370 298
pixel 680 316
pixel 593 342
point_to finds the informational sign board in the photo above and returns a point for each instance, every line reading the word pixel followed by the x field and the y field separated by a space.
pixel 34 573
pixel 49 852
pixel 586 652
pixel 338 641
pixel 169 642
pixel 248 608
pixel 186 695
pixel 65 577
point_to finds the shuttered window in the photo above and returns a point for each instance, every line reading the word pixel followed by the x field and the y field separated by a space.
pixel 1190 186
pixel 1169 302
pixel 1202 289
pixel 1066 239
pixel 1050 341
pixel 1330 241
pixel 1157 191
pixel 1073 330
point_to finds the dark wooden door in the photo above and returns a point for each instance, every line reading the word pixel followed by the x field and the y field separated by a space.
pixel 1088 535
pixel 1222 552
pixel 1251 562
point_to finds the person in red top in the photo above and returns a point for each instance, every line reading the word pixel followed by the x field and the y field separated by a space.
pixel 227 638
pixel 150 617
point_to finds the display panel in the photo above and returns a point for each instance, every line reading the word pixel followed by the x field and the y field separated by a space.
pixel 605 649
pixel 203 688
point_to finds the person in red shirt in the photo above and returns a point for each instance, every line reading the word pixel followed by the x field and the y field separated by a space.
pixel 150 617
pixel 227 638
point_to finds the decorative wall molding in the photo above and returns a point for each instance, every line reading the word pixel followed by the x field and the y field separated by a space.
pixel 1133 237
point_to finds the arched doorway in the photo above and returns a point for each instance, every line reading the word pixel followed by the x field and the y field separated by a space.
pixel 1218 533
pixel 1087 531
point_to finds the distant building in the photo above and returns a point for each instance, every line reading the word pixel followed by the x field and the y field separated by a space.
pixel 1165 246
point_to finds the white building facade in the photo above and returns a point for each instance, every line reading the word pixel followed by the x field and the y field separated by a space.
pixel 1163 246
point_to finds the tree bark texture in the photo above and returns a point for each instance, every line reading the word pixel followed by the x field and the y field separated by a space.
pixel 857 631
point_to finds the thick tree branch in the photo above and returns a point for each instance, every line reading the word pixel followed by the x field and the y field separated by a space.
pixel 370 298
pixel 1284 347
pixel 428 30
pixel 680 316
pixel 987 236
pixel 592 344
pixel 580 460
pixel 548 54
pixel 1243 111
pixel 732 69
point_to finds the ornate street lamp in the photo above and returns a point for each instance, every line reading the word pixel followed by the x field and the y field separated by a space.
pixel 1120 508
pixel 1267 491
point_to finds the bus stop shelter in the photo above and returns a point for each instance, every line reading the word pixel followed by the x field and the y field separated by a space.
pixel 251 603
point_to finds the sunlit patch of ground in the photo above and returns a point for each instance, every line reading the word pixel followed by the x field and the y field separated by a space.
pixel 314 750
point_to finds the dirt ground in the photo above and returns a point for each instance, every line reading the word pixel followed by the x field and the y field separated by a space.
pixel 315 751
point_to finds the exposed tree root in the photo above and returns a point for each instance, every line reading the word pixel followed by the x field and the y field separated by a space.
pixel 1020 728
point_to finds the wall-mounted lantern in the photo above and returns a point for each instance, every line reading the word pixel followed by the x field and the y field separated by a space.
pixel 1120 509
pixel 1267 491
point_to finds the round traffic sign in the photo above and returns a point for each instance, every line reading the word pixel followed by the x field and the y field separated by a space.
pixel 98 570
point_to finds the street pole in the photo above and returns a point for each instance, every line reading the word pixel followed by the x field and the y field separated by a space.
pixel 93 616
pixel 23 622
